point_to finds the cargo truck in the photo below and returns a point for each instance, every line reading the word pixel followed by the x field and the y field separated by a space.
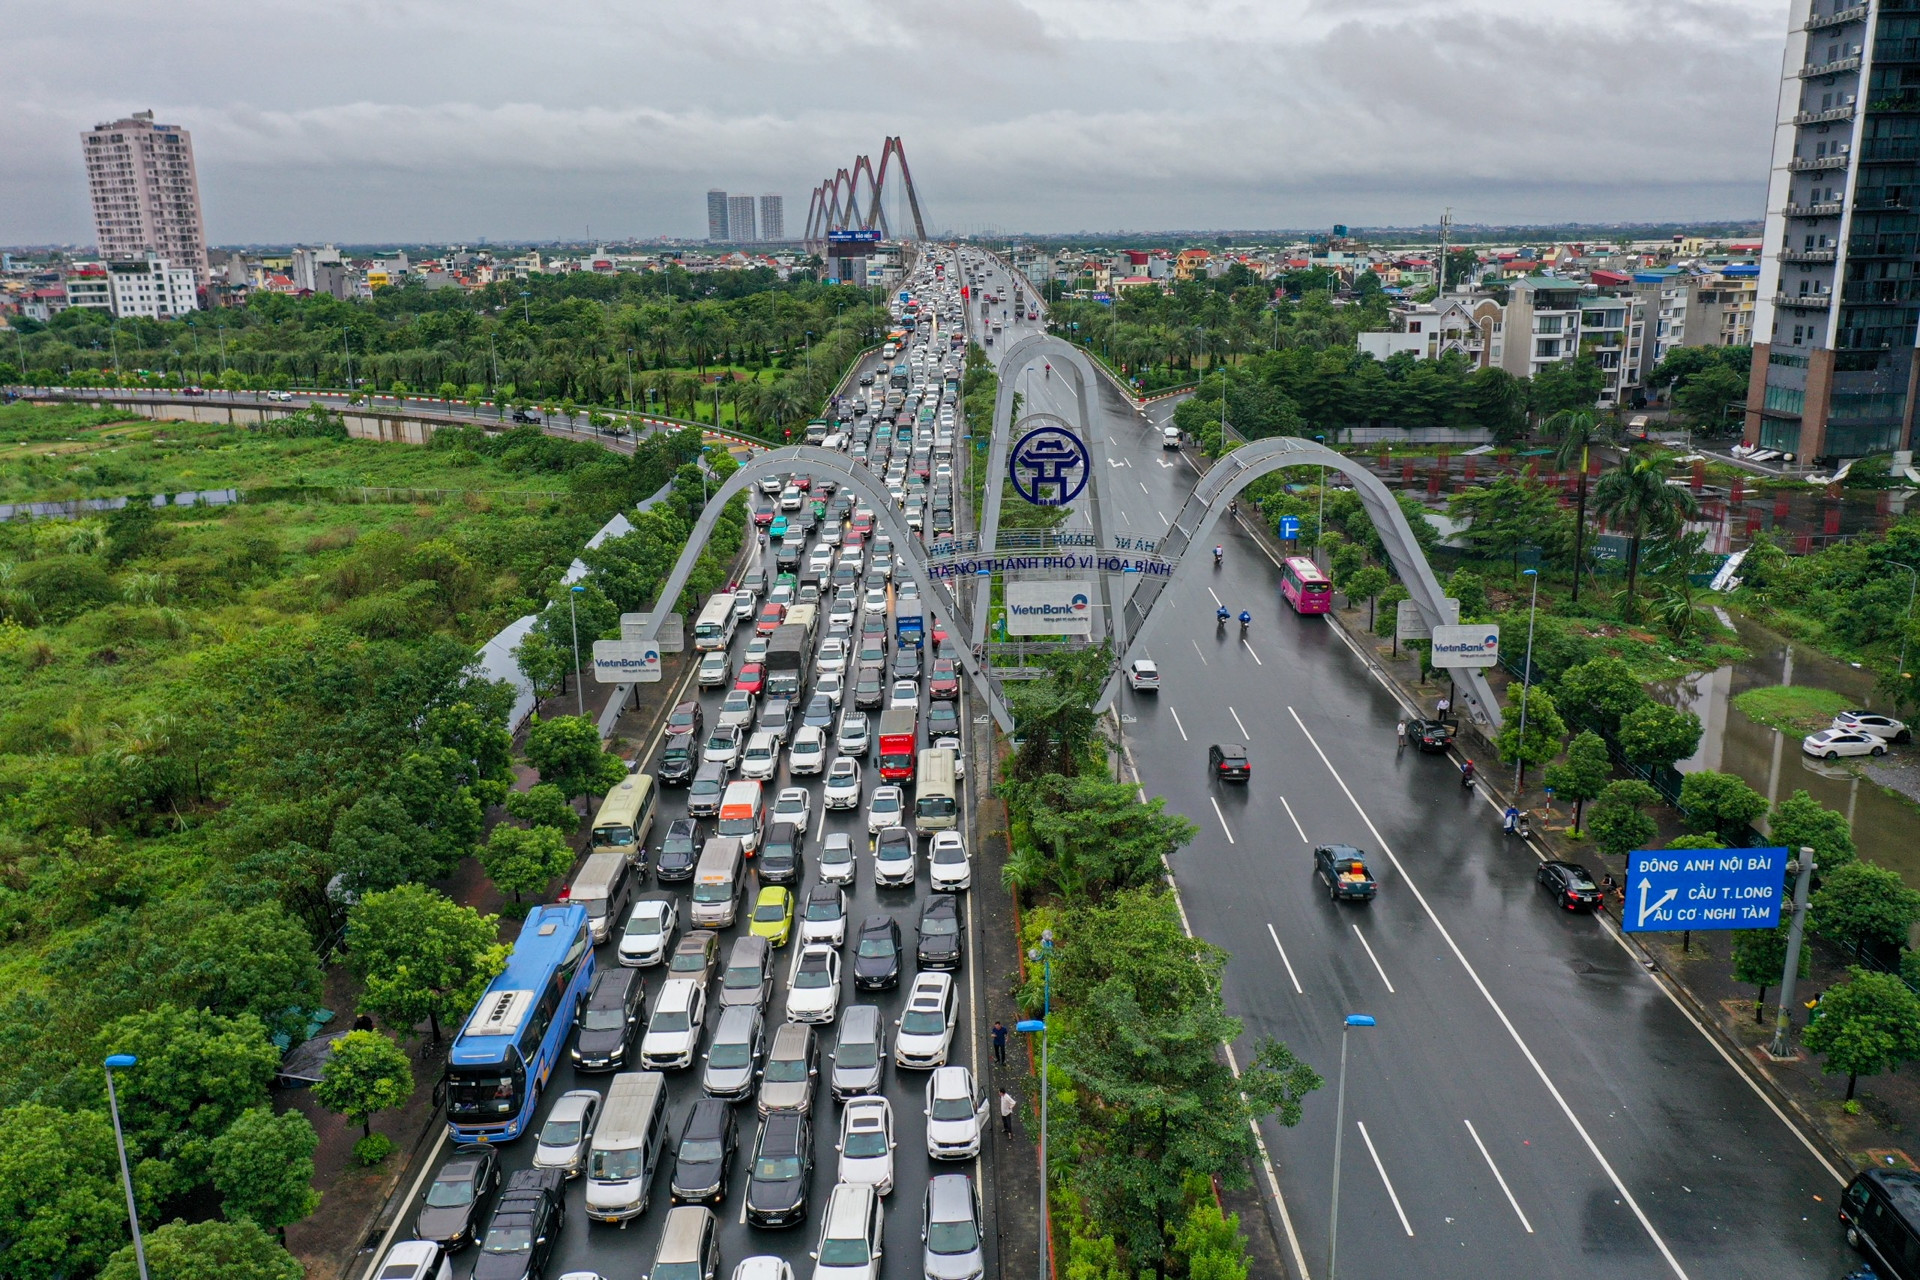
pixel 786 661
pixel 899 730
pixel 908 624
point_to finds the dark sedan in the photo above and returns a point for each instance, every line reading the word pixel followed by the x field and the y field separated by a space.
pixel 869 689
pixel 459 1197
pixel 1431 735
pixel 678 759
pixel 941 944
pixel 705 1153
pixel 906 663
pixel 876 957
pixel 1570 884
pixel 681 848
pixel 782 1170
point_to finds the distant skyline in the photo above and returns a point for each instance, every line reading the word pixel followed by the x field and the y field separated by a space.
pixel 440 122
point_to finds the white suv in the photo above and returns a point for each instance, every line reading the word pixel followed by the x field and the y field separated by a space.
pixel 674 1030
pixel 926 1028
pixel 956 1113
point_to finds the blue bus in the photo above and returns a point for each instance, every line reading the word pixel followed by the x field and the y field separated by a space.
pixel 503 1055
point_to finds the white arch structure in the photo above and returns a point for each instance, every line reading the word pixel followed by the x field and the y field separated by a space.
pixel 907 546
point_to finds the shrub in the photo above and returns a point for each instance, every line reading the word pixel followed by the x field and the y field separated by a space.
pixel 371 1150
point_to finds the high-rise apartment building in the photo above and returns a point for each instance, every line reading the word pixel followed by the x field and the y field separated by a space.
pixel 146 194
pixel 740 219
pixel 1838 309
pixel 773 218
pixel 717 215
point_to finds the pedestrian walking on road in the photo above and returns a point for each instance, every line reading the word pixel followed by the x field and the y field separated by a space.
pixel 1006 1113
pixel 1403 731
pixel 1000 1043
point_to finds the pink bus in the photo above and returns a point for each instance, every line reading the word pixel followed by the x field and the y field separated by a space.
pixel 1306 588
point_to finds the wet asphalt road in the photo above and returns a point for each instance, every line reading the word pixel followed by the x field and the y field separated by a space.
pixel 1514 1042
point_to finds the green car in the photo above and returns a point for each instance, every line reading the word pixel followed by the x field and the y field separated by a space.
pixel 778 529
pixel 773 916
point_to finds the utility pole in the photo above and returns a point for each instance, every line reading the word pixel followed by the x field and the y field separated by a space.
pixel 1446 233
pixel 1783 1020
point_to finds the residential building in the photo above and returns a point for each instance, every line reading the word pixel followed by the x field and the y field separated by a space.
pixel 1191 263
pixel 1838 296
pixel 151 287
pixel 740 220
pixel 145 192
pixel 717 216
pixel 1725 306
pixel 87 286
pixel 306 267
pixel 773 218
pixel 1552 319
pixel 1470 326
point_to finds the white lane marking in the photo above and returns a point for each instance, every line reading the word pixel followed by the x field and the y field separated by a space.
pixel 1376 961
pixel 1166 464
pixel 1162 515
pixel 1236 720
pixel 1553 1090
pixel 1176 724
pixel 1114 463
pixel 1203 657
pixel 1383 1176
pixel 1256 657
pixel 1497 1177
pixel 1143 486
pixel 1216 598
pixel 1296 822
pixel 1283 959
pixel 1223 820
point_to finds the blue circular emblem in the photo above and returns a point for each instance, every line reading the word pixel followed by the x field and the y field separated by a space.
pixel 1049 466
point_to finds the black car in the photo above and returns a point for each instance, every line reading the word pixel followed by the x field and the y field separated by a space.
pixel 1343 869
pixel 786 556
pixel 941 944
pixel 1570 884
pixel 458 1197
pixel 779 856
pixel 681 849
pixel 703 795
pixel 1227 761
pixel 876 957
pixel 906 663
pixel 613 1012
pixel 525 419
pixel 1431 735
pixel 782 1170
pixel 525 1227
pixel 869 690
pixel 705 1153
pixel 685 718
pixel 678 759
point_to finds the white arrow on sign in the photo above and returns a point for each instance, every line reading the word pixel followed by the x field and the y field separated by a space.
pixel 1646 910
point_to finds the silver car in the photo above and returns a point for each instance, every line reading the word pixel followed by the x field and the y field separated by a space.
pixel 952 1229
pixel 734 1056
pixel 563 1138
pixel 854 735
pixel 786 1082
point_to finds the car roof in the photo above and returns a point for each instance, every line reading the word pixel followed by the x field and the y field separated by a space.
pixel 821 889
pixel 861 1020
pixel 774 892
pixel 874 924
pixel 610 987
pixel 950 1197
pixel 783 1127
pixel 949 1081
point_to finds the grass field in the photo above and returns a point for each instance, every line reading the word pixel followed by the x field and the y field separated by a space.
pixel 1793 708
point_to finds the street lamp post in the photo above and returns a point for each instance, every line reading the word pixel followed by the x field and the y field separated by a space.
pixel 1044 955
pixel 121 1062
pixel 1339 1125
pixel 579 681
pixel 1320 521
pixel 526 312
pixel 1907 626
pixel 1526 682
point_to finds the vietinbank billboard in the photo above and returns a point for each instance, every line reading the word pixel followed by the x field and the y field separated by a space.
pixel 1050 608
pixel 1474 646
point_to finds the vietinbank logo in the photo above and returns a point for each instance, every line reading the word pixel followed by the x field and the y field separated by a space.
pixel 1049 608
pixel 1080 603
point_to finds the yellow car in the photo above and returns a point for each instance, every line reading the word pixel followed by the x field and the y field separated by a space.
pixel 773 915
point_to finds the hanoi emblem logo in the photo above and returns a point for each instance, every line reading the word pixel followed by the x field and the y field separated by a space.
pixel 1049 466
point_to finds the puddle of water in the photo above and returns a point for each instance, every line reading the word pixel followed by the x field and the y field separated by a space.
pixel 1883 826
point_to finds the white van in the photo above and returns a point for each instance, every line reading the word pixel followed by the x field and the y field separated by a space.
pixel 603 886
pixel 935 802
pixel 719 881
pixel 626 1147
pixel 741 811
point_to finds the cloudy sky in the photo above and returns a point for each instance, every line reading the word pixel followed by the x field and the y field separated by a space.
pixel 371 120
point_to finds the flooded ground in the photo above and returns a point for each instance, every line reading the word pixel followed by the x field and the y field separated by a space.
pixel 1886 828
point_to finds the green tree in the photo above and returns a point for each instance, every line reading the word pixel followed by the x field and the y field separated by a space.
pixel 1366 583
pixel 1576 431
pixel 1803 822
pixel 1719 804
pixel 1567 385
pixel 59 1192
pixel 1760 957
pixel 1054 714
pixel 1600 693
pixel 567 752
pixel 1617 824
pixel 1091 836
pixel 263 1168
pixel 1210 1243
pixel 1505 517
pixel 1545 730
pixel 525 859
pixel 376 845
pixel 545 664
pixel 1868 1025
pixel 1862 905
pixel 256 960
pixel 1347 560
pixel 1706 397
pixel 1582 775
pixel 207 1251
pixel 421 955
pixel 1470 589
pixel 544 805
pixel 1636 498
pixel 366 1073
pixel 1655 736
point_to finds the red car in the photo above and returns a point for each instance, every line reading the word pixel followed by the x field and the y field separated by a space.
pixel 853 540
pixel 762 519
pixel 939 637
pixel 752 676
pixel 802 481
pixel 943 681
pixel 770 619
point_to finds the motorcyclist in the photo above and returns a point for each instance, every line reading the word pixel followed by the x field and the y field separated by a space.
pixel 1246 619
pixel 1466 774
pixel 1217 552
pixel 1221 615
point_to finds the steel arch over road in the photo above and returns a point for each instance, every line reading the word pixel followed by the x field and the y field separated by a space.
pixel 1226 478
pixel 905 542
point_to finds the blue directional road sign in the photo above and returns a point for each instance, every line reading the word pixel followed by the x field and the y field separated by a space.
pixel 1670 889
pixel 1290 528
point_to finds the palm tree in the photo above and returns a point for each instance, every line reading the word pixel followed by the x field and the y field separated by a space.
pixel 1636 497
pixel 1579 430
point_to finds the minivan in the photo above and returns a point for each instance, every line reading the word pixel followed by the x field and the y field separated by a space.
pixel 734 1056
pixel 604 887
pixel 786 1082
pixel 850 1235
pixel 609 1017
pixel 718 882
pixel 689 1246
pixel 741 812
pixel 626 1146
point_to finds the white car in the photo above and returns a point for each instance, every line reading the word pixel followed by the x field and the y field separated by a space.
pixel 836 858
pixel 906 693
pixel 757 648
pixel 809 751
pixel 875 600
pixel 813 984
pixel 716 671
pixel 781 594
pixel 956 1114
pixel 723 747
pixel 833 656
pixel 843 784
pixel 737 710
pixel 648 937
pixel 1884 727
pixel 761 760
pixel 832 533
pixel 907 592
pixel 793 805
pixel 823 916
pixel 951 743
pixel 884 809
pixel 866 1143
pixel 926 1029
pixel 894 857
pixel 840 613
pixel 673 1033
pixel 791 499
pixel 832 686
pixel 413 1259
pixel 762 1266
pixel 1143 676
pixel 820 563
pixel 948 867
pixel 1828 744
pixel 854 736
pixel 744 605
